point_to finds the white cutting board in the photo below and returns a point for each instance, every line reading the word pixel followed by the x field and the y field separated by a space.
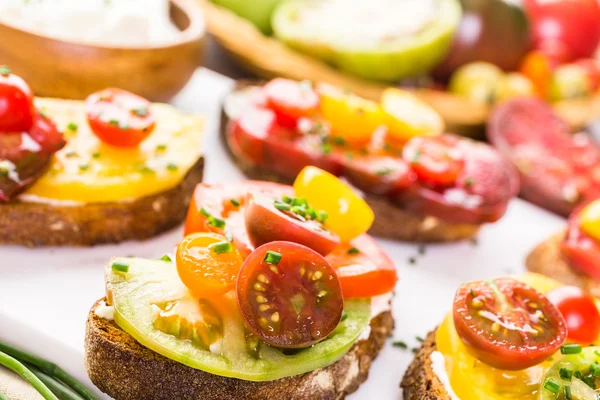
pixel 45 294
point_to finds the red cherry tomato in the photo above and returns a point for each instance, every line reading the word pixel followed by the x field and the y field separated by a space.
pixel 580 312
pixel 582 251
pixel 291 100
pixel 269 220
pixel 248 133
pixel 433 160
pixel 508 324
pixel 119 118
pixel 289 295
pixel 364 268
pixel 575 24
pixel 16 103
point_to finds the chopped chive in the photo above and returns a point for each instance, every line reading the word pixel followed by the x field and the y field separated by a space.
pixel 566 374
pixel 222 247
pixel 344 315
pixel 272 257
pixel 113 122
pixel 204 212
pixel 384 171
pixel 419 339
pixel 400 344
pixel 287 199
pixel 353 250
pixel 571 348
pixel 323 216
pixel 145 169
pixel 567 392
pixel 216 222
pixel 299 201
pixel 414 350
pixel 235 202
pixel 552 386
pixel 280 205
pixel 299 210
pixel 469 182
pixel 597 353
pixel 142 111
pixel 166 258
pixel 326 148
pixel 595 369
pixel 72 126
pixel 5 70
pixel 96 155
pixel 172 167
pixel 70 154
pixel 412 260
pixel 118 266
pixel 84 167
pixel 472 293
pixel 590 381
pixel 340 141
pixel 161 147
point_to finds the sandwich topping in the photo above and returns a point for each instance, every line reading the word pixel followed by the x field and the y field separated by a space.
pixel 394 148
pixel 581 245
pixel 256 294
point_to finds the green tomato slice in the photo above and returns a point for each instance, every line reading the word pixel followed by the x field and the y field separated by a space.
pixel 152 305
pixel 575 375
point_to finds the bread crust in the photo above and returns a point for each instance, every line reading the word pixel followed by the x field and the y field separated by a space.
pixel 125 370
pixel 547 259
pixel 390 221
pixel 36 224
pixel 419 381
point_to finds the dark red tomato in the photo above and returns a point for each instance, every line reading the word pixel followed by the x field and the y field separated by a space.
pixel 291 100
pixel 434 160
pixel 364 268
pixel 269 220
pixel 16 103
pixel 573 23
pixel 558 170
pixel 508 324
pixel 582 251
pixel 580 312
pixel 378 174
pixel 289 295
pixel 120 118
pixel 220 209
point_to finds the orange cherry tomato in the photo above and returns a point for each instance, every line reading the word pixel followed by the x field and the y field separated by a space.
pixel 291 100
pixel 433 160
pixel 508 324
pixel 119 118
pixel 538 67
pixel 289 295
pixel 208 264
pixel 579 309
pixel 364 268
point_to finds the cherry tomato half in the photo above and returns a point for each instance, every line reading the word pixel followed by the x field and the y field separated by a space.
pixel 208 264
pixel 291 100
pixel 16 103
pixel 291 219
pixel 119 118
pixel 580 312
pixel 433 160
pixel 289 295
pixel 363 267
pixel 508 324
pixel 582 250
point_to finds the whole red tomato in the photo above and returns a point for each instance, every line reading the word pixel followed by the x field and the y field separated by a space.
pixel 573 26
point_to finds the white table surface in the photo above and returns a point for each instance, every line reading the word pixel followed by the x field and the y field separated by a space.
pixel 45 294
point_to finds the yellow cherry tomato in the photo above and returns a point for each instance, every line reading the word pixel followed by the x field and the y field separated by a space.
pixel 589 219
pixel 351 117
pixel 348 214
pixel 407 116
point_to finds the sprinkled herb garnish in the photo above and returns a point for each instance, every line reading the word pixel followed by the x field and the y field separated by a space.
pixel 166 258
pixel 339 141
pixel 300 208
pixel 567 392
pixel 235 202
pixel 70 154
pixel 222 247
pixel 353 250
pixel 552 386
pixel 384 171
pixel 416 156
pixel 119 266
pixel 5 70
pixel 469 182
pixel 272 257
pixel 344 315
pixel 326 148
pixel 84 167
pixel 113 122
pixel 419 339
pixel 412 260
pixel 142 111
pixel 161 147
pixel 96 155
pixel 571 348
pixel 281 206
pixel 172 167
pixel 400 344
pixel 72 126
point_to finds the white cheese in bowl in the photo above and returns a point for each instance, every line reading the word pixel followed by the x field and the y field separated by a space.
pixel 120 23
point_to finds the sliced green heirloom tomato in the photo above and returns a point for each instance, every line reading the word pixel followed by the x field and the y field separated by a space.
pixel 508 324
pixel 577 372
pixel 153 283
pixel 289 295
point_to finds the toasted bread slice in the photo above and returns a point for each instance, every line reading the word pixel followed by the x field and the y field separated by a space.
pixel 390 221
pixel 40 224
pixel 420 381
pixel 125 370
pixel 547 259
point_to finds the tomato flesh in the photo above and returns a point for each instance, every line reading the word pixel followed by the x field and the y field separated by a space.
pixel 291 100
pixel 289 295
pixel 508 324
pixel 16 103
pixel 364 269
pixel 580 312
pixel 433 161
pixel 205 268
pixel 266 223
pixel 119 118
pixel 582 251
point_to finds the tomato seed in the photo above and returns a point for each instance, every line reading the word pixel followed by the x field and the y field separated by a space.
pixel 258 287
pixel 261 299
pixel 263 307
pixel 317 275
pixel 275 317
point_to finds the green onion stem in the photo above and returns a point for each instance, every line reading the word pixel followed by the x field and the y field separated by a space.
pixel 14 365
pixel 60 390
pixel 3 396
pixel 50 369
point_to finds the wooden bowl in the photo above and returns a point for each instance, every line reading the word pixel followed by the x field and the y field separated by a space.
pixel 267 57
pixel 71 70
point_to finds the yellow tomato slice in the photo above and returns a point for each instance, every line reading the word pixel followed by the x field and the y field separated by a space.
pixel 589 219
pixel 351 117
pixel 407 116
pixel 349 215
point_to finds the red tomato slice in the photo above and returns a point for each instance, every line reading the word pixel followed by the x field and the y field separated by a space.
pixel 558 170
pixel 379 174
pixel 291 100
pixel 16 103
pixel 289 295
pixel 434 160
pixel 580 312
pixel 582 251
pixel 120 118
pixel 364 268
pixel 508 324
pixel 247 134
pixel 269 220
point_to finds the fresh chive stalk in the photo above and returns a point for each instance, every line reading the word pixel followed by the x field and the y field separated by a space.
pixel 14 365
pixel 60 390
